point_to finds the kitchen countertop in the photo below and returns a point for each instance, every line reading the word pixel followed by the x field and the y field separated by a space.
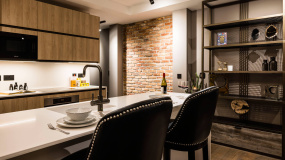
pixel 53 90
pixel 27 131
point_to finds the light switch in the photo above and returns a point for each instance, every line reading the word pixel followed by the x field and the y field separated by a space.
pixel 179 76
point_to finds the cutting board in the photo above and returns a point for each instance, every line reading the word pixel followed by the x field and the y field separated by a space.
pixel 15 92
pixel 9 92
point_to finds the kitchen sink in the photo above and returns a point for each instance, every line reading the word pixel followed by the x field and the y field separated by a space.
pixel 28 91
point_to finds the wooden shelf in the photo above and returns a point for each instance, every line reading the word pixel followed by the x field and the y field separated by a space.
pixel 241 45
pixel 266 19
pixel 249 98
pixel 248 124
pixel 249 72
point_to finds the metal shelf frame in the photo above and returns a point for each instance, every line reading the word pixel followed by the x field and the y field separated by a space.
pixel 243 45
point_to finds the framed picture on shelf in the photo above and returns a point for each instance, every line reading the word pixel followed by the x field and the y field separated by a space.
pixel 222 38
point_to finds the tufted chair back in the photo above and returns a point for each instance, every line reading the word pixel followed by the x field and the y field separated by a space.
pixel 135 132
pixel 194 121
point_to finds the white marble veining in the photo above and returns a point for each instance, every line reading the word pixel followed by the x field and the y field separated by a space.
pixel 26 131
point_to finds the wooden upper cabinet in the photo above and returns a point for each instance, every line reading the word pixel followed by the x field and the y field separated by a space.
pixel 67 20
pixel 54 18
pixel 58 47
pixel 79 49
pixel 46 50
pixel 85 24
pixel 62 47
pixel 92 25
pixel 47 17
pixel 67 48
pixel 85 49
pixel 79 23
pixel 95 26
pixel 55 47
pixel 21 13
pixel 17 30
pixel 92 53
pixel 76 29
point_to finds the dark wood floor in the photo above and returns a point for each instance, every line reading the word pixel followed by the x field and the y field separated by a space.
pixel 226 153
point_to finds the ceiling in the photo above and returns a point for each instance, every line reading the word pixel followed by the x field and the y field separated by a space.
pixel 128 11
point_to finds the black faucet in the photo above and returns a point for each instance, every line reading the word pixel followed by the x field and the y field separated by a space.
pixel 100 100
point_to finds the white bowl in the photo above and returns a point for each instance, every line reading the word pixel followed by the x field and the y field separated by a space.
pixel 78 114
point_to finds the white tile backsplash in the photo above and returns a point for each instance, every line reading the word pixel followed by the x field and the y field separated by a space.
pixel 39 74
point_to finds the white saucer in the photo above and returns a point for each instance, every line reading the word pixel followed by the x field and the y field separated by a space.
pixel 62 123
pixel 88 119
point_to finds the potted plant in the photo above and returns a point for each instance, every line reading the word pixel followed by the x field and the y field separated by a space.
pixel 196 84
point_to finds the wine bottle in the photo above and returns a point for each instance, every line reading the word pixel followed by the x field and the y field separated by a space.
pixel 264 65
pixel 163 85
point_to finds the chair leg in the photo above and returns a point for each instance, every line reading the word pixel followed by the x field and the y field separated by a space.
pixel 191 155
pixel 166 154
pixel 205 152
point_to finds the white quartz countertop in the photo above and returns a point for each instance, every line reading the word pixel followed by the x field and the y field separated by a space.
pixel 51 90
pixel 27 131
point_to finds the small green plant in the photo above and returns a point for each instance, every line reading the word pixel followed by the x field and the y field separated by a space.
pixel 196 85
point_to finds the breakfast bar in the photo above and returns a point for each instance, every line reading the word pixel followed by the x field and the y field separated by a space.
pixel 26 132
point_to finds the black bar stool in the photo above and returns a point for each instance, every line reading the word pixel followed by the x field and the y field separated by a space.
pixel 135 132
pixel 190 129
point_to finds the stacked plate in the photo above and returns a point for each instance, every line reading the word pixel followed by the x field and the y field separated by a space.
pixel 67 122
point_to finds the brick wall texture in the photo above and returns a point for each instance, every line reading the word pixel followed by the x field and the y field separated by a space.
pixel 147 54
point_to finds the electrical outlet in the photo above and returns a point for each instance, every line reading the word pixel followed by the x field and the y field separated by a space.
pixel 80 75
pixel 8 77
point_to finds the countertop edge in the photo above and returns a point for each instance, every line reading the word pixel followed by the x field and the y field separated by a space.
pixel 3 97
pixel 13 155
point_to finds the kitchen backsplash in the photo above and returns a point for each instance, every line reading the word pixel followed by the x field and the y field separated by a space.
pixel 39 74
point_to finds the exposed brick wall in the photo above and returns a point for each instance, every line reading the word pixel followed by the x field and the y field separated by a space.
pixel 147 54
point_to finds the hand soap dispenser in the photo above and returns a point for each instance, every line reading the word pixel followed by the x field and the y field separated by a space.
pixel 11 87
pixel 25 86
pixel 16 86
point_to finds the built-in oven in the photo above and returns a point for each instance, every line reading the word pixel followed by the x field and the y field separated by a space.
pixel 49 102
pixel 16 46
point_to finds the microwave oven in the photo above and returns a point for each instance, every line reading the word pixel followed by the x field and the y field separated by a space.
pixel 16 46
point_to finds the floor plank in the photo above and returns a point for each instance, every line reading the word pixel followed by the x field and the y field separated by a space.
pixel 220 152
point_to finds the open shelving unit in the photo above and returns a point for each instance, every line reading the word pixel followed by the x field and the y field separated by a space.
pixel 242 47
pixel 243 22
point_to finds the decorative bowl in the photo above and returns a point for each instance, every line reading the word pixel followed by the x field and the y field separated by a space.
pixel 78 114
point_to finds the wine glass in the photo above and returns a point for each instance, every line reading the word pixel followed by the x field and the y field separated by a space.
pixel 183 85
